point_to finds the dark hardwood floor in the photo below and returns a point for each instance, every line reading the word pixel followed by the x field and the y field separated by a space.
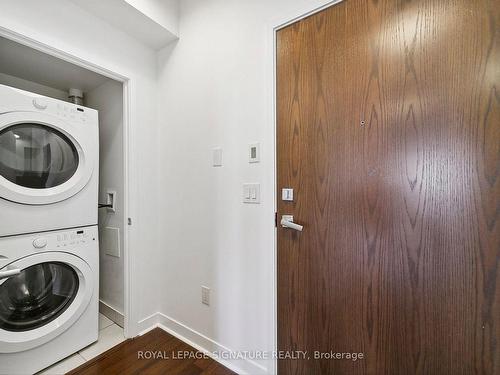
pixel 137 356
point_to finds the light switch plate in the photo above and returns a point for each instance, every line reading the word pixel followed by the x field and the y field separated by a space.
pixel 217 157
pixel 110 241
pixel 251 193
pixel 254 153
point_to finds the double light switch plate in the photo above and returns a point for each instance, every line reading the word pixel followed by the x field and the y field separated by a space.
pixel 251 193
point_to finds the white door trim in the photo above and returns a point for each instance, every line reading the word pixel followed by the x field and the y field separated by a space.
pixel 301 12
pixel 130 325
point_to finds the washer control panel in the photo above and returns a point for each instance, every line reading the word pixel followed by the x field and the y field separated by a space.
pixel 72 238
pixel 78 241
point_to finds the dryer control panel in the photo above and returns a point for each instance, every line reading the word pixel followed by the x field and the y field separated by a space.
pixel 66 111
pixel 71 112
pixel 16 100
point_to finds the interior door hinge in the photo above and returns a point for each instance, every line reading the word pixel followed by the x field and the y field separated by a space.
pixel 129 221
pixel 276 220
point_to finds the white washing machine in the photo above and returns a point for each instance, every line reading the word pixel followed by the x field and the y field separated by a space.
pixel 49 163
pixel 49 285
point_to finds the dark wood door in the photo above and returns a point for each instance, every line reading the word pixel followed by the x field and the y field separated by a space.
pixel 389 134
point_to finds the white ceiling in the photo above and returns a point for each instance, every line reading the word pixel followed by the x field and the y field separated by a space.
pixel 32 65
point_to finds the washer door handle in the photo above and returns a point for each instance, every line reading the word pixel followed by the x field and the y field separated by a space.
pixel 9 273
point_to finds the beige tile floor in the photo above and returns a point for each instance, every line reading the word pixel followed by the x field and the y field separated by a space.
pixel 110 334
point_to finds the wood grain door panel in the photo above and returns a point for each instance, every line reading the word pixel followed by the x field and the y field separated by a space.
pixel 388 131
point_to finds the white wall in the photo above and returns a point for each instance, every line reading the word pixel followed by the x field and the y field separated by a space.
pixel 215 89
pixel 26 85
pixel 108 100
pixel 65 26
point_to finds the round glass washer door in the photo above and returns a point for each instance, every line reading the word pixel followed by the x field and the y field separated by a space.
pixel 37 296
pixel 43 159
pixel 42 300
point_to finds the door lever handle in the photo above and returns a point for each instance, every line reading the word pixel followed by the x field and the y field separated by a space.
pixel 287 222
pixel 9 273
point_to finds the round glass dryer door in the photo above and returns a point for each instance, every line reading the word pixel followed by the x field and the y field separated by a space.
pixel 44 159
pixel 37 296
pixel 36 156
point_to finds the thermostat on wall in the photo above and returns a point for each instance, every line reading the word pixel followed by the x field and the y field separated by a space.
pixel 254 153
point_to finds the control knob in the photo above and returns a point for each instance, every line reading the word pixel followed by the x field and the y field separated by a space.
pixel 40 103
pixel 40 243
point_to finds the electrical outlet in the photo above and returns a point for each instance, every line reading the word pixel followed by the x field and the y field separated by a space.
pixel 205 295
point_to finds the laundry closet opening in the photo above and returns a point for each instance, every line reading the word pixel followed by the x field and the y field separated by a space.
pixel 27 69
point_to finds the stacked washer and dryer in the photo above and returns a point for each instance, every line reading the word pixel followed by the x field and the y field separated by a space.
pixel 49 261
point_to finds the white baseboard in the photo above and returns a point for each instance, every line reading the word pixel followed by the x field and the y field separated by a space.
pixel 111 313
pixel 200 342
pixel 147 324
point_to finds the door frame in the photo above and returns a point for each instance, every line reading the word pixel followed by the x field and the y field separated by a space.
pixel 130 326
pixel 276 25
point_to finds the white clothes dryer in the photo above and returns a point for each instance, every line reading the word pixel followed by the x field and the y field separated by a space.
pixel 49 163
